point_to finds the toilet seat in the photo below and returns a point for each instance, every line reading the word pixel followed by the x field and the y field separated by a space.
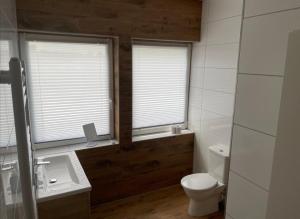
pixel 199 181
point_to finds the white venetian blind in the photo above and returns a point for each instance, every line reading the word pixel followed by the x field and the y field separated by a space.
pixel 69 87
pixel 7 125
pixel 159 85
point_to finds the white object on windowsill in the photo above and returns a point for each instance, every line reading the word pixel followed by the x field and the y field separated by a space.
pixel 90 134
pixel 176 129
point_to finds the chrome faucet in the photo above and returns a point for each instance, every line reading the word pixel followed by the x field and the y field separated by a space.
pixel 8 166
pixel 40 163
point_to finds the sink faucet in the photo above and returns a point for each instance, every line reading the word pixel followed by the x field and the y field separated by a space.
pixel 38 162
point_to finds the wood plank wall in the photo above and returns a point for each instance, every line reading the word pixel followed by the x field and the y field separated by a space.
pixel 148 165
pixel 150 19
pixel 130 167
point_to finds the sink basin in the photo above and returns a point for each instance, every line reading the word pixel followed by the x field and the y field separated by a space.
pixel 63 176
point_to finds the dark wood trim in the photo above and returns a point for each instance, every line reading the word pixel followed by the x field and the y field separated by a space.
pixel 116 80
pixel 125 91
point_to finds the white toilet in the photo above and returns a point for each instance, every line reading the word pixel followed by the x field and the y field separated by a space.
pixel 205 189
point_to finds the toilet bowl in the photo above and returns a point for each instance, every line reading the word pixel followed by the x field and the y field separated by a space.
pixel 204 192
pixel 205 189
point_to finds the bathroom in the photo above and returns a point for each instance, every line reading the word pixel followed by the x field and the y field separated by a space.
pixel 152 109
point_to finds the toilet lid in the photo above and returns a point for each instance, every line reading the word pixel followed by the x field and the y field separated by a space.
pixel 199 181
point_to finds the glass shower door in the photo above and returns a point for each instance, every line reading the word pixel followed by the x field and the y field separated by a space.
pixel 13 199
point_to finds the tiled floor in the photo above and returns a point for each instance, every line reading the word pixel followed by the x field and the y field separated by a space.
pixel 168 203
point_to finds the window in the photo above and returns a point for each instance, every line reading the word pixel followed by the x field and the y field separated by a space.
pixel 7 125
pixel 69 86
pixel 160 78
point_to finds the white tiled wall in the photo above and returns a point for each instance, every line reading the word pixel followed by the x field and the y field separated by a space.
pixel 224 31
pixel 228 216
pixel 265 30
pixel 284 190
pixel 222 55
pixel 223 80
pixel 241 190
pixel 253 151
pixel 213 77
pixel 257 102
pixel 264 42
pixel 257 7
pixel 219 10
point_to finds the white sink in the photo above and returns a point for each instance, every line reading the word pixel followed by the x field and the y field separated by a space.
pixel 62 177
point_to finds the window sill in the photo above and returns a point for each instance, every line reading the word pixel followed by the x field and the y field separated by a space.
pixel 11 151
pixel 159 135
pixel 74 147
pixel 83 146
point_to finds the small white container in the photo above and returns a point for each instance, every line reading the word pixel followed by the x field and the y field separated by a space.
pixel 173 129
pixel 178 129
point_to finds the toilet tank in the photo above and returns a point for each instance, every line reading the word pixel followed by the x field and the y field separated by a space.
pixel 218 162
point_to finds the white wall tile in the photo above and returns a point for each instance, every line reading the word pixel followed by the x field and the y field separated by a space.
pixel 245 200
pixel 203 37
pixel 215 129
pixel 220 9
pixel 224 31
pixel 205 9
pixel 252 155
pixel 222 56
pixel 284 190
pixel 195 114
pixel 197 77
pixel 228 217
pixel 257 102
pixel 196 97
pixel 218 102
pixel 198 55
pixel 256 7
pixel 200 154
pixel 218 79
pixel 264 42
pixel 194 126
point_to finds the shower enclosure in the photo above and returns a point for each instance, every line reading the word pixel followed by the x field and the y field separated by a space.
pixel 17 193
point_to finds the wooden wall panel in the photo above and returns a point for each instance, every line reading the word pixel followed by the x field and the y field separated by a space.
pixel 124 20
pixel 125 91
pixel 129 168
pixel 151 19
pixel 151 164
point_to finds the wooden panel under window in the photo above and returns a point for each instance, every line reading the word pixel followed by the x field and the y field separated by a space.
pixel 116 173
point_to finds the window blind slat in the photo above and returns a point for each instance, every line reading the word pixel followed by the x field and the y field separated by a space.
pixel 159 85
pixel 69 87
